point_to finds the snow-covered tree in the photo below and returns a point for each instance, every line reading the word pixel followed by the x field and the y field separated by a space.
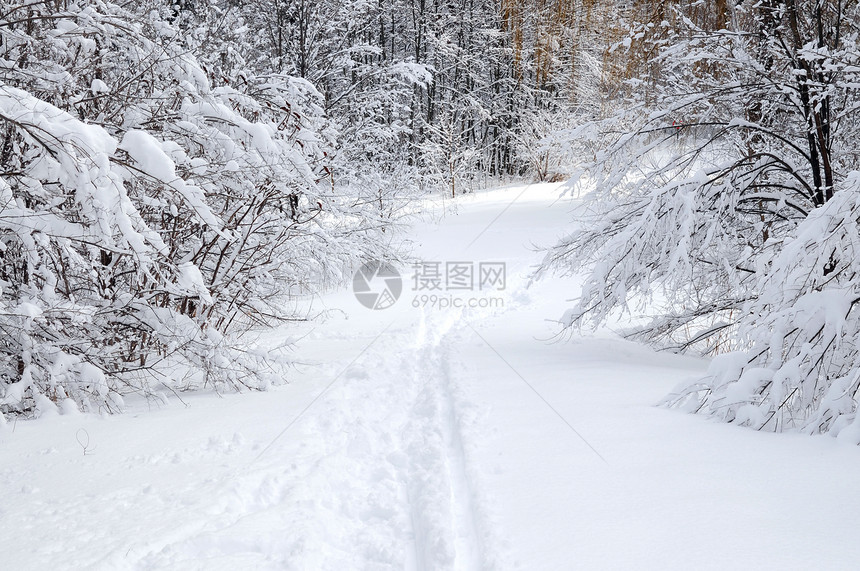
pixel 725 200
pixel 154 204
pixel 427 94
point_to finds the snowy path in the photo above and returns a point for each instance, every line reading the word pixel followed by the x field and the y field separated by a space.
pixel 434 439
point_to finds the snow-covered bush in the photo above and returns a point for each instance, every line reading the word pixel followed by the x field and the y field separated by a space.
pixel 152 207
pixel 725 202
pixel 800 362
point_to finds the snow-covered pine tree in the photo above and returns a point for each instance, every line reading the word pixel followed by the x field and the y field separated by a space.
pixel 725 198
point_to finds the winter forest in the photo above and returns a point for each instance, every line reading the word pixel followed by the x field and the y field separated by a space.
pixel 188 189
pixel 175 174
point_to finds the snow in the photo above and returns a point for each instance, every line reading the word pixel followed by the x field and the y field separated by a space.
pixel 152 157
pixel 190 279
pixel 422 438
pixel 421 74
pixel 99 86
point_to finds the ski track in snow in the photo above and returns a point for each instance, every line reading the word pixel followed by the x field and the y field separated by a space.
pixel 422 450
pixel 391 464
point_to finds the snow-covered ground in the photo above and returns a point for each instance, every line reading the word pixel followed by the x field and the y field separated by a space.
pixel 431 438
